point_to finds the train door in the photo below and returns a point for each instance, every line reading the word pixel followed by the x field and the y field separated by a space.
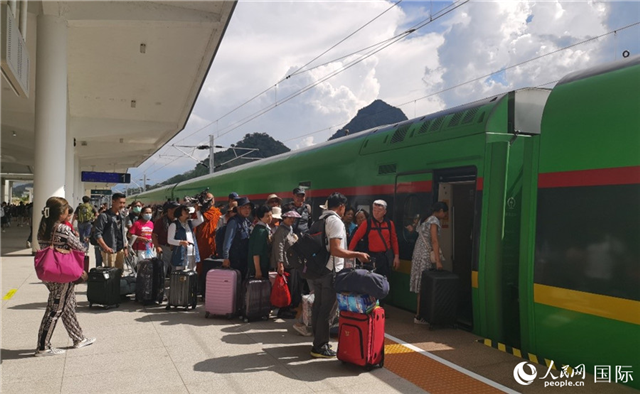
pixel 457 188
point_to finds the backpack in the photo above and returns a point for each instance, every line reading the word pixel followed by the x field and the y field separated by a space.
pixel 85 213
pixel 219 237
pixel 309 255
pixel 363 244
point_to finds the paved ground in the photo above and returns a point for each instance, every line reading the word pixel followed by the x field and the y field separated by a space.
pixel 142 350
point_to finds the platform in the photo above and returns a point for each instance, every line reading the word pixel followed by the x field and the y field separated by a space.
pixel 149 349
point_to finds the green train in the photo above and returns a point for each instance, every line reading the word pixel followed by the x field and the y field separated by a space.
pixel 544 225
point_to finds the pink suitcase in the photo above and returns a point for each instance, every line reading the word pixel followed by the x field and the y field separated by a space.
pixel 222 291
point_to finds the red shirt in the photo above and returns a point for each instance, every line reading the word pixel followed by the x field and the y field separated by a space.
pixel 66 223
pixel 375 241
pixel 141 229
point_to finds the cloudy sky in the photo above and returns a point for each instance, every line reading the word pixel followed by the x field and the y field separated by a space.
pixel 486 47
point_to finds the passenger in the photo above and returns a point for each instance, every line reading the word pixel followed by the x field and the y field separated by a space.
pixel 236 240
pixel 62 296
pixel 361 216
pixel 301 225
pixel 324 305
pixel 110 233
pixel 134 214
pixel 282 240
pixel 185 254
pixel 428 241
pixel 233 196
pixel 276 217
pixel 274 201
pixel 231 211
pixel 382 241
pixel 206 232
pixel 160 230
pixel 3 215
pixel 141 232
pixel 86 215
pixel 348 219
pixel 259 244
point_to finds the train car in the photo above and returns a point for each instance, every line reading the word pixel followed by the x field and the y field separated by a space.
pixel 543 191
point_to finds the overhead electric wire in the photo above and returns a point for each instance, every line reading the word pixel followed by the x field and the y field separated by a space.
pixel 431 18
pixel 343 68
pixel 484 77
pixel 298 71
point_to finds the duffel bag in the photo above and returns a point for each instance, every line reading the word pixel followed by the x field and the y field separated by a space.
pixel 361 281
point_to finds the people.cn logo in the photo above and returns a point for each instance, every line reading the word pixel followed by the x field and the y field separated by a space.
pixel 523 377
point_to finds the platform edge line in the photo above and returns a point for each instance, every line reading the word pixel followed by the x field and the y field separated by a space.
pixel 452 365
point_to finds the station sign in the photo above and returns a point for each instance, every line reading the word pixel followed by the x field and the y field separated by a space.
pixel 105 177
pixel 99 192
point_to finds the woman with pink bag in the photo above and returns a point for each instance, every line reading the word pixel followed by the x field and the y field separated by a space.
pixel 62 296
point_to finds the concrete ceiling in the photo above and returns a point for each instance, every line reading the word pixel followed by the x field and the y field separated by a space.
pixel 107 71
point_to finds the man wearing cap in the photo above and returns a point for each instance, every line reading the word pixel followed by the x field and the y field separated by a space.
pixel 302 225
pixel 160 231
pixel 380 234
pixel 273 200
pixel 235 250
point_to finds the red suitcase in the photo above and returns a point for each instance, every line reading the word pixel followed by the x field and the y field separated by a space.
pixel 361 338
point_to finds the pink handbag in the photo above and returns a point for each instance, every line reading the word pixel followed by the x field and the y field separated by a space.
pixel 59 265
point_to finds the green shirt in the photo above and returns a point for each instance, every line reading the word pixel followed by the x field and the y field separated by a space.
pixel 259 246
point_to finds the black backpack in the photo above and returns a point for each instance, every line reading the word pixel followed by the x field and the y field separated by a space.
pixel 309 255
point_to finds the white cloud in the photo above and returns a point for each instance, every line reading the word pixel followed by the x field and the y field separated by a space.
pixel 267 41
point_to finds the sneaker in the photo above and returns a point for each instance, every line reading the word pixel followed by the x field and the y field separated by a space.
pixel 302 330
pixel 49 352
pixel 420 321
pixel 83 343
pixel 324 352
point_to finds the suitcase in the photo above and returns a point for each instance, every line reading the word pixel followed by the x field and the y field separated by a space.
pixel 150 281
pixel 222 294
pixel 127 285
pixel 361 338
pixel 183 289
pixel 207 265
pixel 103 287
pixel 439 297
pixel 257 299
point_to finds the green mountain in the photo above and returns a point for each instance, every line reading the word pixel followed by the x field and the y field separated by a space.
pixel 266 146
pixel 377 113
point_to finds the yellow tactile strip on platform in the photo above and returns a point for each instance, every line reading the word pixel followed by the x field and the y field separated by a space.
pixel 429 374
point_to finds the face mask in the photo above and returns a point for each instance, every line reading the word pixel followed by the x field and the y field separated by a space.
pixel 137 209
pixel 146 216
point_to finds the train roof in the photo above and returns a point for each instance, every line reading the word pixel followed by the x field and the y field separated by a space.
pixel 601 69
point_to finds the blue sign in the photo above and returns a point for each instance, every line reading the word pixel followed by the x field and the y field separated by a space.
pixel 105 177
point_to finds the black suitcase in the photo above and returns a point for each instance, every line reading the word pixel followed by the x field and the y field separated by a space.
pixel 439 297
pixel 103 287
pixel 207 265
pixel 257 299
pixel 183 289
pixel 150 281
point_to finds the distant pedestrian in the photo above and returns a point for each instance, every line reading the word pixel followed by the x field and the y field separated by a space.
pixel 274 201
pixel 160 230
pixel 86 215
pixel 110 232
pixel 141 234
pixel 259 244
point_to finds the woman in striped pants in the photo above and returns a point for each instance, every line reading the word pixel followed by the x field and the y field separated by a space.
pixel 62 296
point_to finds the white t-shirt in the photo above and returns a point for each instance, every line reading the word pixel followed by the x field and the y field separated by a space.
pixel 334 228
